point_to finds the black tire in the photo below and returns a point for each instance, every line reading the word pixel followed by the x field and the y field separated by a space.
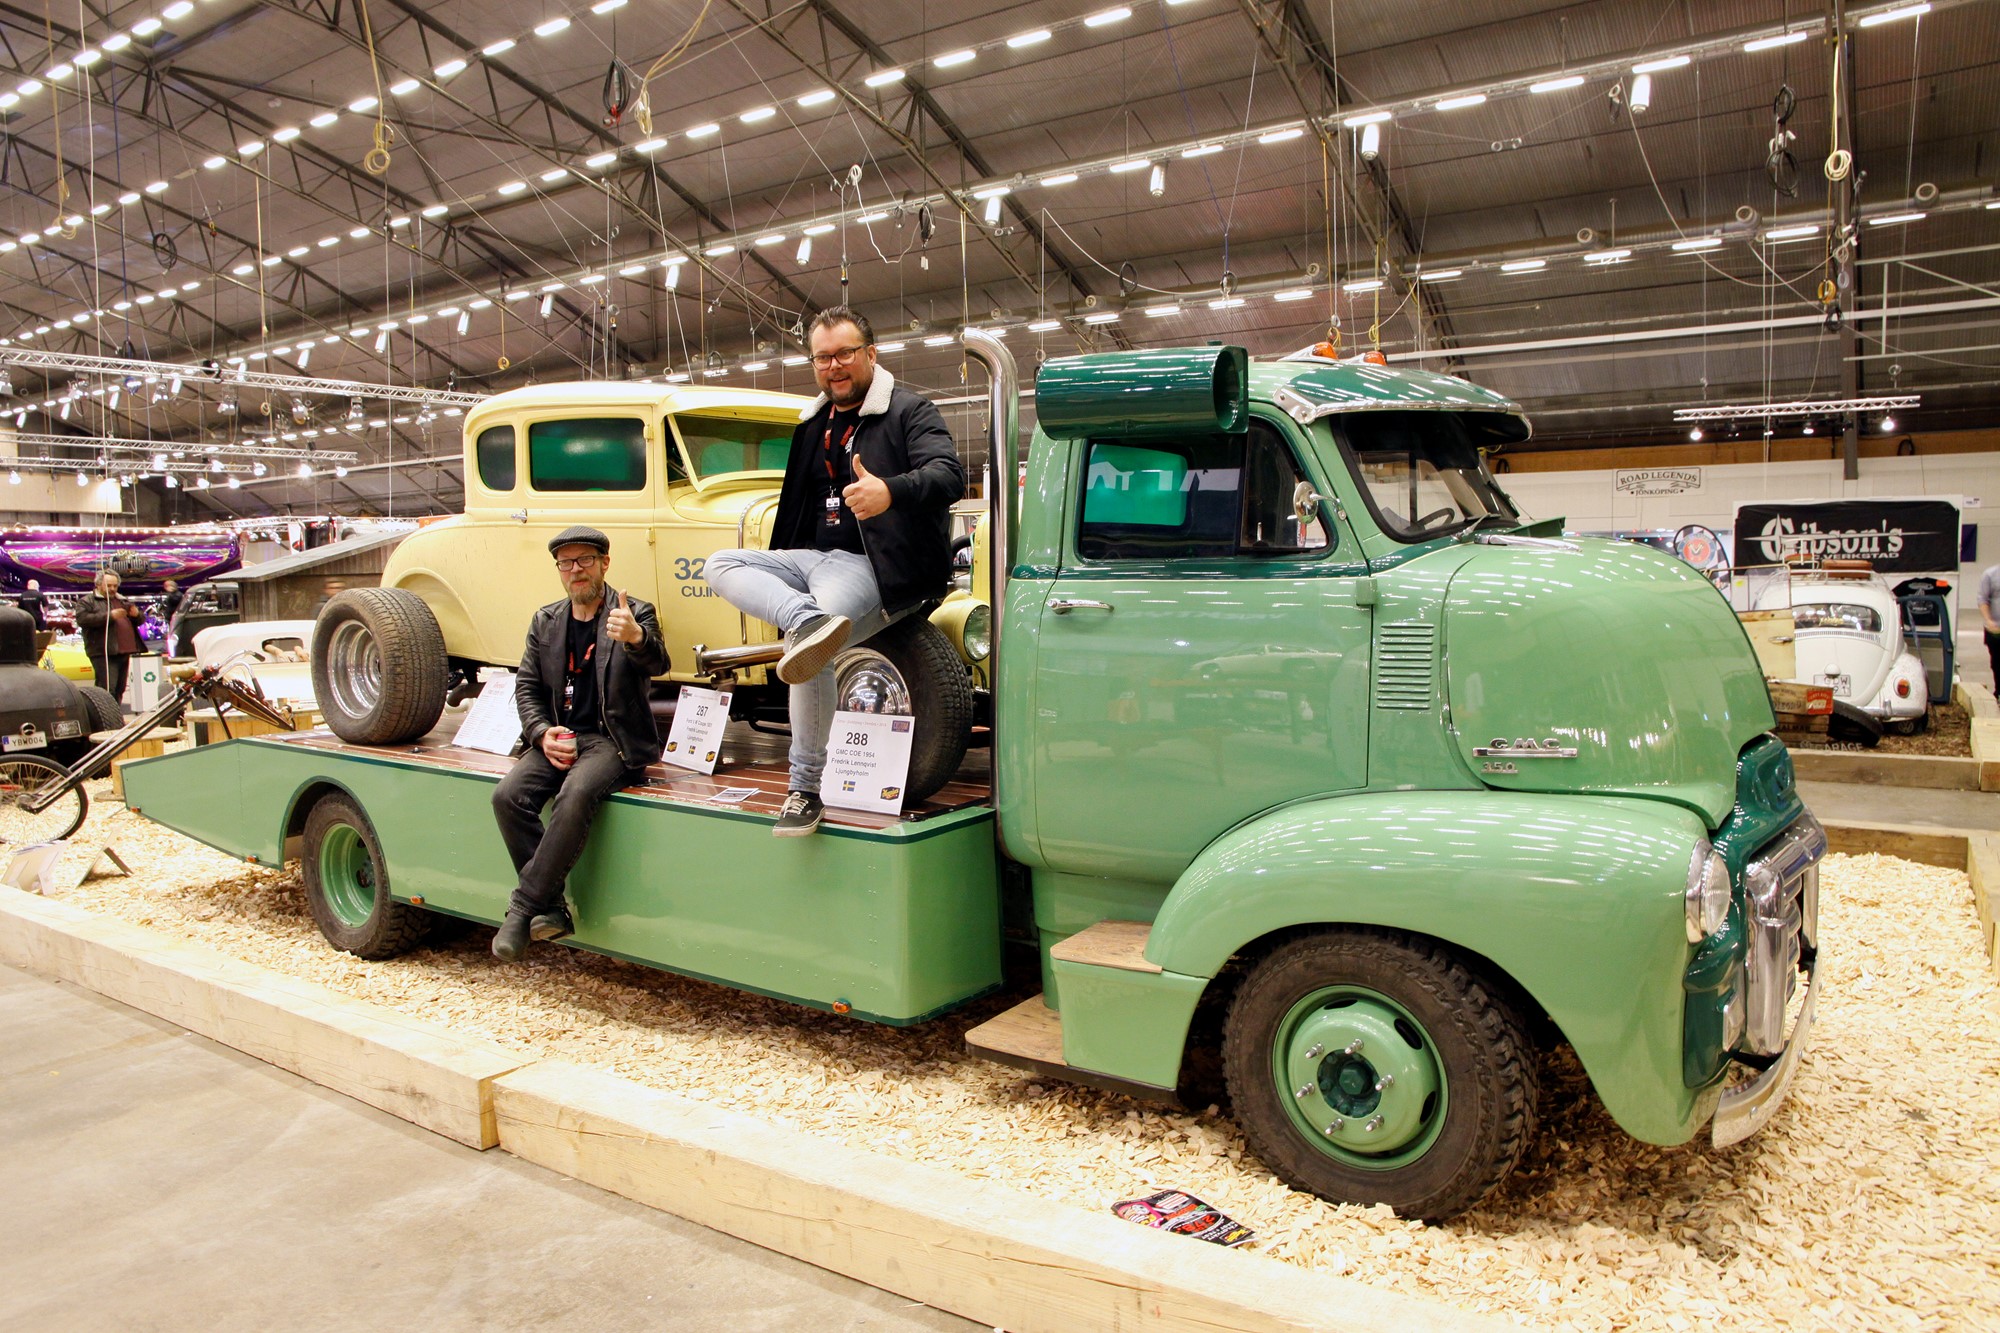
pixel 1850 726
pixel 1909 726
pixel 912 668
pixel 347 884
pixel 1454 1122
pixel 21 777
pixel 105 713
pixel 378 666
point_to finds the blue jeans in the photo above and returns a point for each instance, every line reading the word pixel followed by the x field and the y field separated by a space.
pixel 785 589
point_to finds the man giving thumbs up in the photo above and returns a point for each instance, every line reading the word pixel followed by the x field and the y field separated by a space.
pixel 582 693
pixel 862 533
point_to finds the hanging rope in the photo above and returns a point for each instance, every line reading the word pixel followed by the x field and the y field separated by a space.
pixel 376 162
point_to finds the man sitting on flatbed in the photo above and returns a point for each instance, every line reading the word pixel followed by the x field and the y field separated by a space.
pixel 582 692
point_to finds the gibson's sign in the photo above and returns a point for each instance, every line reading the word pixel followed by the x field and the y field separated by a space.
pixel 1899 536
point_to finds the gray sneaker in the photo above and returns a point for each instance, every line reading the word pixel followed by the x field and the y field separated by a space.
pixel 810 646
pixel 798 816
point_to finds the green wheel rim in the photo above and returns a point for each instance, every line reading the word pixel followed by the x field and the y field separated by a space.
pixel 1360 1078
pixel 347 875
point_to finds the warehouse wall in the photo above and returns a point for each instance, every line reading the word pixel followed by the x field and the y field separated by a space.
pixel 1588 500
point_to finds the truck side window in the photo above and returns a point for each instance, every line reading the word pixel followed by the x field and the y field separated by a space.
pixel 1211 496
pixel 495 451
pixel 587 454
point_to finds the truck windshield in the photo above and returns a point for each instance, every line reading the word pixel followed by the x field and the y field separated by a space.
pixel 1421 473
pixel 719 446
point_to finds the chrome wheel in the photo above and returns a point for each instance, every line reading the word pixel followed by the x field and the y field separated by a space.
pixel 864 681
pixel 354 667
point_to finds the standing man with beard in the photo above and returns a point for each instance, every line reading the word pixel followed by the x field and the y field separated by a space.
pixel 862 533
pixel 582 692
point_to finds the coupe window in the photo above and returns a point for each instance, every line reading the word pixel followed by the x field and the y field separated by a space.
pixel 1837 615
pixel 719 446
pixel 1421 473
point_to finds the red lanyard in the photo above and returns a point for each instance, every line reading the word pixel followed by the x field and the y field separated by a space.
pixel 827 441
pixel 588 653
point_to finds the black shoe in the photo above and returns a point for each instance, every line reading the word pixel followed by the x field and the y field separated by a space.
pixel 810 646
pixel 798 816
pixel 511 940
pixel 552 925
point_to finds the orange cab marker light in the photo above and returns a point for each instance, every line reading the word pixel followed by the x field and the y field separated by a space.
pixel 416 902
pixel 1327 349
pixel 1375 358
pixel 842 1007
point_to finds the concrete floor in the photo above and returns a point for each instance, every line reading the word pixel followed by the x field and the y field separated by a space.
pixel 157 1181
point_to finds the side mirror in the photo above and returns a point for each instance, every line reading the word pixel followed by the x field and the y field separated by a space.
pixel 1306 502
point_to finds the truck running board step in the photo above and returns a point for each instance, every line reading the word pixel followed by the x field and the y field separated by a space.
pixel 1119 944
pixel 1029 1036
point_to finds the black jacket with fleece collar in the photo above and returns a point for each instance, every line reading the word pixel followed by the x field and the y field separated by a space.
pixel 901 438
pixel 625 674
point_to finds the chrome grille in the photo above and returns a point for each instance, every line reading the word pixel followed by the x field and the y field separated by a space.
pixel 1405 662
pixel 1781 893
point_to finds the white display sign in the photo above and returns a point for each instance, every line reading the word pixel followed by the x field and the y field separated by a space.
pixel 493 723
pixel 695 739
pixel 1657 480
pixel 867 761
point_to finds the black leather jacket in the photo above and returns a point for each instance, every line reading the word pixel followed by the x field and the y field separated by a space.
pixel 624 678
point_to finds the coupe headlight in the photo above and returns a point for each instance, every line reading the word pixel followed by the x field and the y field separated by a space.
pixel 978 633
pixel 1707 892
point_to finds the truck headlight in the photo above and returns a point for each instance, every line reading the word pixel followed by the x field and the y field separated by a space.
pixel 1707 892
pixel 979 633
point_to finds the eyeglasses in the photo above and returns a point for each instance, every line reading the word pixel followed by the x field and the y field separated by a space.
pixel 581 562
pixel 845 356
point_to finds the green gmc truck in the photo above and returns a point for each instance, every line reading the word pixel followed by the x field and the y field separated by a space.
pixel 1317 771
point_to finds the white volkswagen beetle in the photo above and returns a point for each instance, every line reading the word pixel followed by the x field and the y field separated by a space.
pixel 1849 634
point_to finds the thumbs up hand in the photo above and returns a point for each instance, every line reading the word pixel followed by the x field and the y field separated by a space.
pixel 621 624
pixel 869 495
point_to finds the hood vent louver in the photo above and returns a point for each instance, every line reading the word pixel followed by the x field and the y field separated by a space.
pixel 1405 665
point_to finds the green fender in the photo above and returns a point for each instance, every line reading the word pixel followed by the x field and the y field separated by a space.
pixel 1578 899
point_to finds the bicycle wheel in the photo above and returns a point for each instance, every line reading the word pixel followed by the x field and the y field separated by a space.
pixel 21 777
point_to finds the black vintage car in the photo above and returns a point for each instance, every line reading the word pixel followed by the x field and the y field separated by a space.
pixel 43 713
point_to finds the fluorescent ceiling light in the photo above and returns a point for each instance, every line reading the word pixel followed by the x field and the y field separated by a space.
pixel 1362 285
pixel 890 347
pixel 1035 38
pixel 792 361
pixel 213 164
pixel 818 229
pixel 1161 311
pixel 499 48
pixel 242 270
pixel 1794 233
pixel 449 68
pixel 1606 256
pixel 1655 66
pixel 398 222
pixel 556 175
pixel 436 211
pixel 1523 265
pixel 512 187
pixel 752 367
pixel 650 146
pixel 160 187
pixel 1698 243
pixel 323 119
pixel 1201 150
pixel 296 251
pixel 1107 17
pixel 1784 39
pixel 606 6
pixel 1292 294
pixel 272 261
pixel 882 77
pixel 146 27
pixel 939 340
pixel 718 250
pixel 866 218
pixel 362 104
pixel 551 28
pixel 951 58
pixel 1895 218
pixel 179 10
pixel 817 98
pixel 1886 16
pixel 1102 317
pixel 1061 178
pixel 285 135
pixel 1131 164
pixel 760 113
pixel 1557 85
pixel 703 131
pixel 250 149
pixel 85 58
pixel 632 270
pixel 117 41
pixel 1279 136
pixel 1044 325
pixel 1225 303
pixel 590 280
pixel 356 233
pixel 600 160
pixel 991 192
pixel 1366 118
pixel 328 242
pixel 56 73
pixel 1454 103
pixel 404 87
pixel 772 239
pixel 1440 275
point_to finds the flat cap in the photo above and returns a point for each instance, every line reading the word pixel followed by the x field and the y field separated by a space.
pixel 580 536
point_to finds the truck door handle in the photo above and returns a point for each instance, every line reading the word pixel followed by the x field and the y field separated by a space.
pixel 1062 606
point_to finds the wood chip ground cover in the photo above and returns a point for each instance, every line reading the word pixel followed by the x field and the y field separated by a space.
pixel 1873 1202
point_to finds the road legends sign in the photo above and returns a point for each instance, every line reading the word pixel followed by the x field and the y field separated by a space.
pixel 867 760
pixel 1898 536
pixel 1657 480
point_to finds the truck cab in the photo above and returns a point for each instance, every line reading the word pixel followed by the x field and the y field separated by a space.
pixel 1309 740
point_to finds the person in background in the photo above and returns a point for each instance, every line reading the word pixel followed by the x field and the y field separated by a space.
pixel 1989 612
pixel 110 628
pixel 170 606
pixel 31 602
pixel 329 590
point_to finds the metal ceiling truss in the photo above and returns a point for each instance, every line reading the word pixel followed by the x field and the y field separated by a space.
pixel 116 450
pixel 224 376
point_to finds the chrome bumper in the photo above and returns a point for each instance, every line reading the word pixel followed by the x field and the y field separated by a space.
pixel 1747 1108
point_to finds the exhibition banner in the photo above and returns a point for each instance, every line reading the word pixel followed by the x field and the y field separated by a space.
pixel 1899 536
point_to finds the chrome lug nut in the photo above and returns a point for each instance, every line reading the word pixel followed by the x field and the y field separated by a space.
pixel 1354 1047
pixel 1338 1124
pixel 1386 1082
pixel 1374 1123
pixel 1316 1050
pixel 1305 1091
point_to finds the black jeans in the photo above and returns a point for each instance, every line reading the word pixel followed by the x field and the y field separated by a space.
pixel 111 672
pixel 1993 653
pixel 543 858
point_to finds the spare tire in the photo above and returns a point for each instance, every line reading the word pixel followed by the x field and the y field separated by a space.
pixel 911 668
pixel 378 666
pixel 1851 726
pixel 105 714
